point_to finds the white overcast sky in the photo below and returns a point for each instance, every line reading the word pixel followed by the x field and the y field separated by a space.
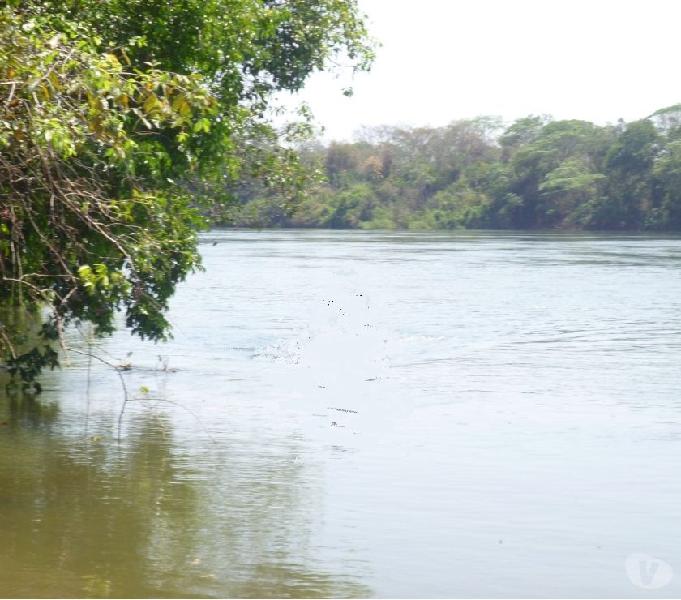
pixel 442 60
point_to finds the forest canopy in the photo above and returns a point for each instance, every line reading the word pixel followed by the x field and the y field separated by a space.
pixel 536 173
pixel 124 124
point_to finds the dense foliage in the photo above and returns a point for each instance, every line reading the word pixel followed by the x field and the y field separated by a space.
pixel 536 173
pixel 123 124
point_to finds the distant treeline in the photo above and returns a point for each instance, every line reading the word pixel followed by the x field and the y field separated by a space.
pixel 537 173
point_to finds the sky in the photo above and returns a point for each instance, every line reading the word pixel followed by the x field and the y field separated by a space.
pixel 442 60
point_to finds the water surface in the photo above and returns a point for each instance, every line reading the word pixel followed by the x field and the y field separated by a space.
pixel 365 414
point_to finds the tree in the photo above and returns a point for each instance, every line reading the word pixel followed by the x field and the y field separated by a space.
pixel 537 173
pixel 121 125
pixel 629 163
pixel 567 190
pixel 549 165
pixel 667 172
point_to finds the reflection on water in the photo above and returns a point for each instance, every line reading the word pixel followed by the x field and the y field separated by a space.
pixel 365 414
pixel 89 517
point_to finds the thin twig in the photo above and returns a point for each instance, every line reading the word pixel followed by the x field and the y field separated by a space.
pixel 126 398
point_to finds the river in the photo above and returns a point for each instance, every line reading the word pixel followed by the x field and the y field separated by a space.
pixel 366 414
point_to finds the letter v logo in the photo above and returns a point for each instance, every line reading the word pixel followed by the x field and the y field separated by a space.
pixel 648 572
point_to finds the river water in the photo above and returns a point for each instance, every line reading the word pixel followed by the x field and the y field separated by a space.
pixel 366 414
